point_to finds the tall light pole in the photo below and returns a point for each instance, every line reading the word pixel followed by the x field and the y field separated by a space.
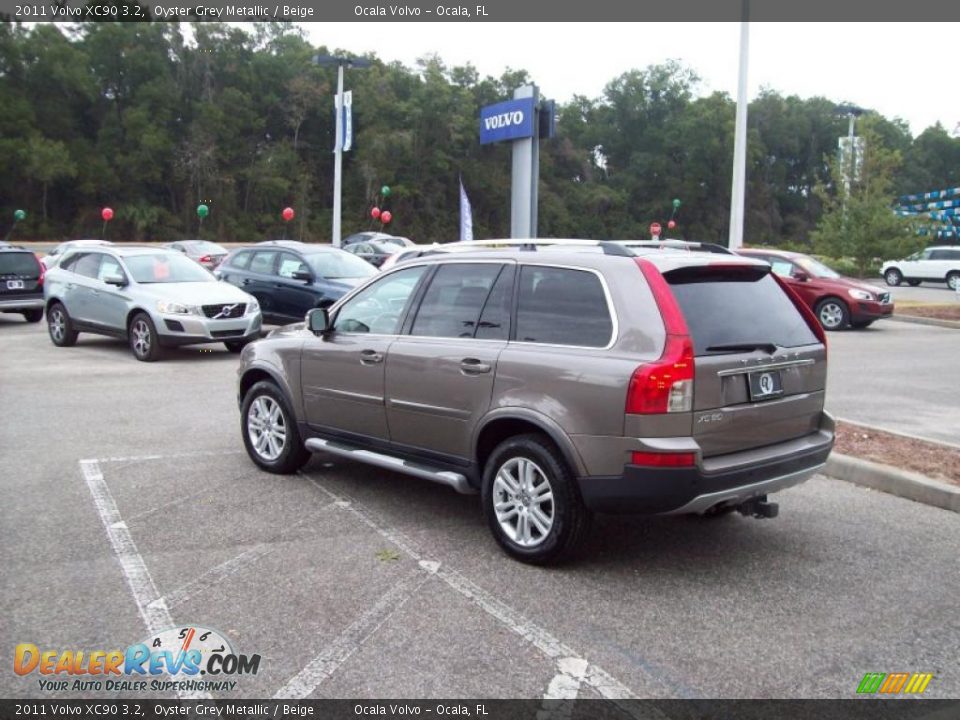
pixel 341 62
pixel 737 192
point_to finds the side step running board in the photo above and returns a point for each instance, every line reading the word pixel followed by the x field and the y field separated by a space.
pixel 455 480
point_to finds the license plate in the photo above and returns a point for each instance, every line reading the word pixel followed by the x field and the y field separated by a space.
pixel 765 384
pixel 14 284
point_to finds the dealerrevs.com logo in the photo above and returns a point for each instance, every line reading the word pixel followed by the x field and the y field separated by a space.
pixel 174 659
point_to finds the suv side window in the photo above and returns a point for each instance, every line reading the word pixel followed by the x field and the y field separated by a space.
pixel 452 304
pixel 87 265
pixel 109 267
pixel 289 264
pixel 495 318
pixel 262 262
pixel 379 308
pixel 241 260
pixel 560 306
pixel 70 260
pixel 939 255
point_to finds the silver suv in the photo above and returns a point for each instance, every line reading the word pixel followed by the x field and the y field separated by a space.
pixel 555 384
pixel 152 297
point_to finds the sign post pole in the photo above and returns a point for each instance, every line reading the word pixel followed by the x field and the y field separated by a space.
pixel 525 176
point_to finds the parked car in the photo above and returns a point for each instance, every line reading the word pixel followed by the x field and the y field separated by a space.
pixel 207 253
pixel 21 283
pixel 555 384
pixel 378 236
pixel 152 297
pixel 51 259
pixel 837 301
pixel 290 278
pixel 935 264
pixel 374 252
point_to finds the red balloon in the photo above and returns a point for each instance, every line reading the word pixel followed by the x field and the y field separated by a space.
pixel 107 214
pixel 672 224
pixel 288 214
pixel 385 217
pixel 375 213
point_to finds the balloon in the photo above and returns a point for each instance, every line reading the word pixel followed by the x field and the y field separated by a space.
pixel 385 191
pixel 202 211
pixel 107 214
pixel 385 217
pixel 672 224
pixel 288 214
pixel 19 215
pixel 375 213
pixel 676 202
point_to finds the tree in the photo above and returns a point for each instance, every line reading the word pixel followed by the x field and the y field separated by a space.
pixel 47 161
pixel 859 222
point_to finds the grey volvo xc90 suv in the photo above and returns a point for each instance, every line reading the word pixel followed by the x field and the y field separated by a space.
pixel 555 384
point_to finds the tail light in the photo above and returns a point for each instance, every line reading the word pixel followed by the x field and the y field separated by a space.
pixel 804 310
pixel 663 459
pixel 665 385
pixel 43 271
pixel 205 258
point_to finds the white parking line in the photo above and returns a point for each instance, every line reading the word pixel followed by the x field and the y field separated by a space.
pixel 155 616
pixel 349 641
pixel 166 456
pixel 596 677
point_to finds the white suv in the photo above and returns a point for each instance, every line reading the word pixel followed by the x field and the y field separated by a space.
pixel 935 264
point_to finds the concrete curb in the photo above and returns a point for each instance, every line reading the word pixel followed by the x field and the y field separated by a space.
pixel 954 324
pixel 901 483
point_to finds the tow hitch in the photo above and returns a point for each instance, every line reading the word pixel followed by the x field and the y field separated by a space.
pixel 759 507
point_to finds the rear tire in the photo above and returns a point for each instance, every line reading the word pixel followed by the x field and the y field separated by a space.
pixel 833 314
pixel 531 501
pixel 143 338
pixel 33 316
pixel 60 326
pixel 953 280
pixel 269 430
pixel 893 277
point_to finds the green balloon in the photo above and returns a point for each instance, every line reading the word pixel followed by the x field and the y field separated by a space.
pixel 19 215
pixel 202 211
pixel 385 191
pixel 676 202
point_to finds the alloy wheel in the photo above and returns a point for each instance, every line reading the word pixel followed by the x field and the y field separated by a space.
pixel 266 427
pixel 831 315
pixel 141 338
pixel 523 502
pixel 58 325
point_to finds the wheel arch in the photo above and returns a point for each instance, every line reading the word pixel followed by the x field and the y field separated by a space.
pixel 255 373
pixel 509 422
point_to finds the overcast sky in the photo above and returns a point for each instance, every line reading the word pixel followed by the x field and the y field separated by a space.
pixel 899 69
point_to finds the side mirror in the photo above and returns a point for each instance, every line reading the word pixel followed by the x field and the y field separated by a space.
pixel 115 280
pixel 318 320
pixel 800 275
pixel 302 275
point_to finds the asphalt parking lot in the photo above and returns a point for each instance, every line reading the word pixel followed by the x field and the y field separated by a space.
pixel 129 506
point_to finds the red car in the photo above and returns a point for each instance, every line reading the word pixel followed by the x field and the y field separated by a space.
pixel 837 301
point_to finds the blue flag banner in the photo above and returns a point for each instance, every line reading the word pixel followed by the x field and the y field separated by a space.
pixel 347 120
pixel 466 215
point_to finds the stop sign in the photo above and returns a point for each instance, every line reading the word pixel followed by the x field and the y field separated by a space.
pixel 655 229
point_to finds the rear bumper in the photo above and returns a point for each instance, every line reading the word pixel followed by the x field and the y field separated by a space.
pixel 646 490
pixel 23 303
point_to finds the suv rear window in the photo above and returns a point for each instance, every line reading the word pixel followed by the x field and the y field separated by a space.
pixel 561 306
pixel 737 306
pixel 19 263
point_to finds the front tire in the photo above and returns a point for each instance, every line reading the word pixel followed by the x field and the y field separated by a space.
pixel 269 430
pixel 60 326
pixel 833 314
pixel 236 346
pixel 953 281
pixel 893 277
pixel 143 338
pixel 531 501
pixel 33 316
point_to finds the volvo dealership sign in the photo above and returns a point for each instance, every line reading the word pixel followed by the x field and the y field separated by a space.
pixel 510 120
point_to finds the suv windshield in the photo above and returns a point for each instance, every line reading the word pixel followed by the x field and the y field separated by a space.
pixel 816 268
pixel 720 307
pixel 340 264
pixel 165 268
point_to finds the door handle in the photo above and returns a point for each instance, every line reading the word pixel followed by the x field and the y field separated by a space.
pixel 370 357
pixel 472 366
